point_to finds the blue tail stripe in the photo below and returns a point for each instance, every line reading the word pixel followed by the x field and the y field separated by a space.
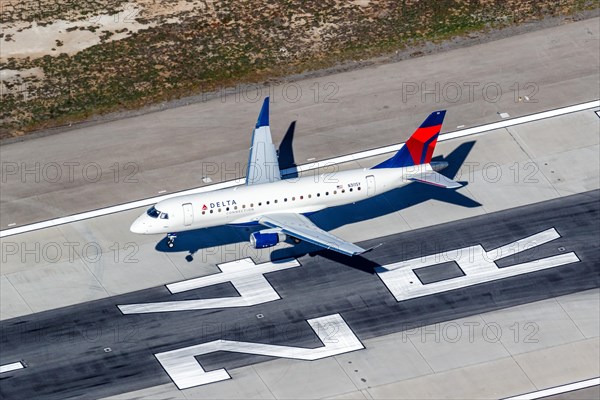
pixel 401 159
pixel 434 119
pixel 425 147
pixel 263 117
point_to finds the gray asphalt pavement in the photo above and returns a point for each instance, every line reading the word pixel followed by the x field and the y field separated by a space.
pixel 91 350
pixel 138 157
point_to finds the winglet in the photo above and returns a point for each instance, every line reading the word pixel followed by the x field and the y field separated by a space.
pixel 372 248
pixel 263 117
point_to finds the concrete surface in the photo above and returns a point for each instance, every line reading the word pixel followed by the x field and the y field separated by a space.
pixel 554 158
pixel 65 345
pixel 500 172
pixel 171 150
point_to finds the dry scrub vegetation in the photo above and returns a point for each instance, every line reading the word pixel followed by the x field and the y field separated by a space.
pixel 155 50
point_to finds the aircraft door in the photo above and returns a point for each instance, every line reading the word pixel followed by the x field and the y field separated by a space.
pixel 370 185
pixel 188 214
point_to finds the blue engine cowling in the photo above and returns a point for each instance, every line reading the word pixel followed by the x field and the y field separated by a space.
pixel 266 238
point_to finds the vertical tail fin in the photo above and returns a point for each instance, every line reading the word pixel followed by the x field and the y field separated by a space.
pixel 418 149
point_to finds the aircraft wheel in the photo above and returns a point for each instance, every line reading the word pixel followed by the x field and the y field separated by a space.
pixel 171 240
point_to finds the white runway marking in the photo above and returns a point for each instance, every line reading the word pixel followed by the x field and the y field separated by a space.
pixel 186 371
pixel 11 367
pixel 557 390
pixel 244 275
pixel 477 264
pixel 300 168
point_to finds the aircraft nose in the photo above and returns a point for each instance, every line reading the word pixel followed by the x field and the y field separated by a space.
pixel 139 225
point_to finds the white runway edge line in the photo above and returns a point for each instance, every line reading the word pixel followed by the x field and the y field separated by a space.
pixel 11 367
pixel 557 390
pixel 301 168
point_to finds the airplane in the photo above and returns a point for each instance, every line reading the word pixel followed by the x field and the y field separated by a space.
pixel 282 205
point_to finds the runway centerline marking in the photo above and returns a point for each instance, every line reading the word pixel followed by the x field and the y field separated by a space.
pixel 186 372
pixel 477 264
pixel 298 169
pixel 247 277
pixel 11 367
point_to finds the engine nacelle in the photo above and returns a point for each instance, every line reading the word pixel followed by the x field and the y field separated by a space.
pixel 266 238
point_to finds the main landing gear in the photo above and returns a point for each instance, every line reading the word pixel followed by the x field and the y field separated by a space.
pixel 171 240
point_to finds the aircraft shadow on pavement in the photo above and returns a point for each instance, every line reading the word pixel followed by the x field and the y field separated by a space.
pixel 393 201
pixel 285 152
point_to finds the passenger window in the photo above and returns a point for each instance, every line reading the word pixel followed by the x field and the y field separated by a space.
pixel 211 211
pixel 227 209
pixel 293 198
pixel 350 189
pixel 275 201
pixel 343 190
pixel 318 194
pixel 359 188
pixel 326 193
pixel 310 196
pixel 285 199
pixel 251 205
pixel 260 204
pixel 219 210
pixel 335 192
pixel 268 202
pixel 301 197
pixel 203 212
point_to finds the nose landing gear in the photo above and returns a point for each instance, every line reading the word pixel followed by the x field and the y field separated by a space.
pixel 171 240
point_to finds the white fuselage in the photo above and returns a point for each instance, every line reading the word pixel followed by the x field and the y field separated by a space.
pixel 244 205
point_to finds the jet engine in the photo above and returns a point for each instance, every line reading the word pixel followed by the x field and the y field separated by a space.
pixel 266 238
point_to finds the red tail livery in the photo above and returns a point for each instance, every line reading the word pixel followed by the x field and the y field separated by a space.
pixel 419 148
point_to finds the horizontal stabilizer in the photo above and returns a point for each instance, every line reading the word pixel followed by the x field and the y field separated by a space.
pixel 435 179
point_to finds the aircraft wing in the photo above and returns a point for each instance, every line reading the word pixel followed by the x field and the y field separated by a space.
pixel 298 226
pixel 435 179
pixel 263 166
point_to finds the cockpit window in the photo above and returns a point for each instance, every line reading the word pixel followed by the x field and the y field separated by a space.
pixel 164 215
pixel 153 212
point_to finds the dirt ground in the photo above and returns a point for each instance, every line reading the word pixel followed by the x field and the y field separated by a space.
pixel 64 62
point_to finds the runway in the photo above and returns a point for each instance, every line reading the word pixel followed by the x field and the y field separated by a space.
pixel 64 349
pixel 438 311
pixel 165 152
